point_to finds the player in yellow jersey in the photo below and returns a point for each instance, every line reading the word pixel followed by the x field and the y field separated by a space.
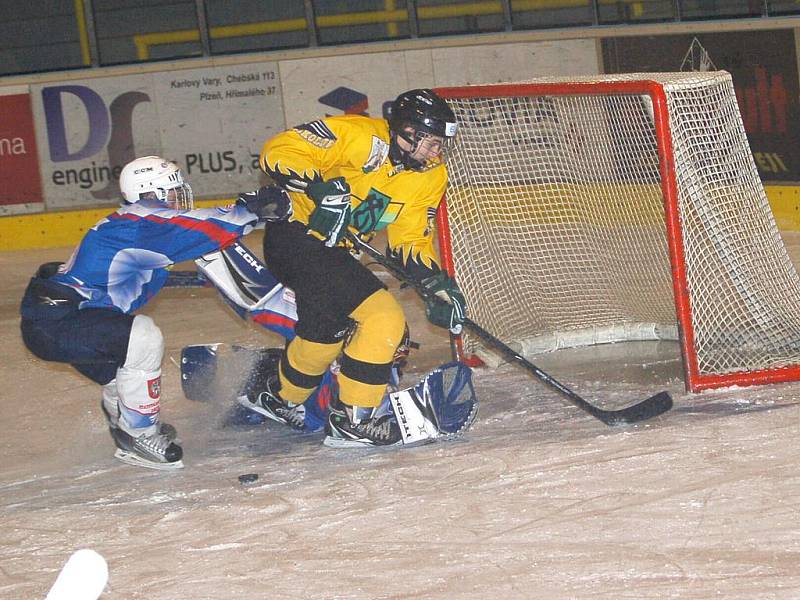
pixel 362 175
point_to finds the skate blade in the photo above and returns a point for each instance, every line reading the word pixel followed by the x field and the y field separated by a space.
pixel 130 458
pixel 337 442
pixel 245 401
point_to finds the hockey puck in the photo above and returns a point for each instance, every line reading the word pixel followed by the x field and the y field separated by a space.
pixel 248 478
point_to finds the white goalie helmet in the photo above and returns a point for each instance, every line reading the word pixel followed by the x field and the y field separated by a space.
pixel 155 178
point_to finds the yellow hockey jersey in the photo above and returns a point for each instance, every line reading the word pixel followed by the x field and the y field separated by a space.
pixel 383 196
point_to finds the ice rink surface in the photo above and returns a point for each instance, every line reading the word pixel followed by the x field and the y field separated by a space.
pixel 538 500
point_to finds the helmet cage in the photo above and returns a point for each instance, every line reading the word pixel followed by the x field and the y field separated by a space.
pixel 178 196
pixel 418 140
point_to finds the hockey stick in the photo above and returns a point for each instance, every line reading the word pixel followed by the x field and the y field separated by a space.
pixel 646 409
pixel 83 577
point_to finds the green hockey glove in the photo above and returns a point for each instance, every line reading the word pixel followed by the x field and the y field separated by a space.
pixel 445 305
pixel 330 218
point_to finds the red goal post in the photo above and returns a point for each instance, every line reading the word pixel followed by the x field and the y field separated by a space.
pixel 620 207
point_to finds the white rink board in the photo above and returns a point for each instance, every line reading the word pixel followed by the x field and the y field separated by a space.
pixel 211 121
pixel 214 120
pixel 383 76
pixel 216 127
pixel 514 62
pixel 74 131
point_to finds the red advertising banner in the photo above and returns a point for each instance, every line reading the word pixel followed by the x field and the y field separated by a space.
pixel 20 182
pixel 763 65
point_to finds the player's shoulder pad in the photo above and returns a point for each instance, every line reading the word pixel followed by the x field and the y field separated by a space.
pixel 324 133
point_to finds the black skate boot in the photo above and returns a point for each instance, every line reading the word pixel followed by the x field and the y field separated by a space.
pixel 357 427
pixel 269 403
pixel 155 451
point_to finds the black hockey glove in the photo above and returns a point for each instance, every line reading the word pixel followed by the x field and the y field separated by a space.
pixel 269 203
pixel 330 218
pixel 445 305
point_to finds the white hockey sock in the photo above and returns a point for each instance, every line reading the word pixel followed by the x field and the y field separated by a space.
pixel 139 379
pixel 140 395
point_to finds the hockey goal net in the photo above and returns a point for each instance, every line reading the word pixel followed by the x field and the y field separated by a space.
pixel 620 207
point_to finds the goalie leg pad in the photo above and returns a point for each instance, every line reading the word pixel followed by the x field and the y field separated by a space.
pixel 200 368
pixel 198 371
pixel 204 368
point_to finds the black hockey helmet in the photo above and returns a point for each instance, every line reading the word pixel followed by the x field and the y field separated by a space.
pixel 426 114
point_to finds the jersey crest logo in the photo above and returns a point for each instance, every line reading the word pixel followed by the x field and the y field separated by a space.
pixel 375 212
pixel 154 388
pixel 377 154
pixel 317 134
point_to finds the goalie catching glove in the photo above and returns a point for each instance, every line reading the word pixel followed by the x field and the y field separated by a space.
pixel 269 203
pixel 445 305
pixel 330 218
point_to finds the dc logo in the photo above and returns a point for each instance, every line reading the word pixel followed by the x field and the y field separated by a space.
pixel 108 125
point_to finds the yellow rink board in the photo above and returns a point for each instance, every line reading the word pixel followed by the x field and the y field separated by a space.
pixel 564 204
pixel 66 228
pixel 621 204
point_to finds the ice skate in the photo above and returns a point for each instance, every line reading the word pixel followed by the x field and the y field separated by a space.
pixel 155 451
pixel 356 427
pixel 269 403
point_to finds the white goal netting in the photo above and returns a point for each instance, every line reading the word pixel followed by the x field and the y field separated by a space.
pixel 558 226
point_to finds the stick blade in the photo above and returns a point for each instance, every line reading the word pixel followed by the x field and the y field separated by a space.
pixel 646 409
